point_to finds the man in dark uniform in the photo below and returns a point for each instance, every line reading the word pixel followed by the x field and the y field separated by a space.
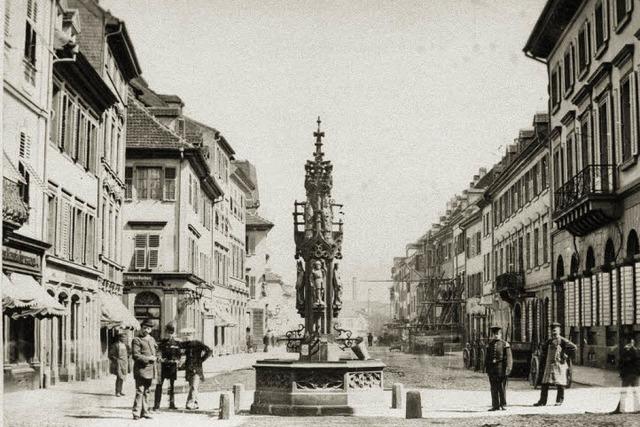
pixel 196 353
pixel 498 364
pixel 170 349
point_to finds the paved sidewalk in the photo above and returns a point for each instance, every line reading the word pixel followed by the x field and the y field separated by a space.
pixel 595 376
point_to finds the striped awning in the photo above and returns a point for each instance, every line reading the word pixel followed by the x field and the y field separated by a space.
pixel 115 314
pixel 22 296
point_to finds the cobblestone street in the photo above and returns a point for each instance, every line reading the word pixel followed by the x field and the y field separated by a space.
pixel 451 396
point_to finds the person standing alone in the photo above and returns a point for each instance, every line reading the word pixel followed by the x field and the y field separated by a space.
pixel 170 349
pixel 555 355
pixel 144 349
pixel 629 374
pixel 196 353
pixel 119 354
pixel 498 364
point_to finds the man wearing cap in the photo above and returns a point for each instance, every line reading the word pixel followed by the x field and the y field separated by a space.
pixel 170 349
pixel 556 352
pixel 498 364
pixel 196 353
pixel 144 349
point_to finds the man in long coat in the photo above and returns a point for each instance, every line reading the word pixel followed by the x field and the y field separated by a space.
pixel 119 353
pixel 554 359
pixel 144 350
pixel 498 364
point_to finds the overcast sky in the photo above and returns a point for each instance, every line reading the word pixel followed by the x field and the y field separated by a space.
pixel 414 97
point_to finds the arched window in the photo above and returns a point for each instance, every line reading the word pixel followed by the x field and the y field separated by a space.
pixel 559 267
pixel 609 252
pixel 74 327
pixel 575 265
pixel 517 323
pixel 632 244
pixel 147 306
pixel 63 299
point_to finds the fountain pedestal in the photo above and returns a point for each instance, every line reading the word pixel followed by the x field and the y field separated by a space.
pixel 286 387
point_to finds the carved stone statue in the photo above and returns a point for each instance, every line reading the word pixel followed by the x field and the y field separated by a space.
pixel 327 221
pixel 337 288
pixel 308 220
pixel 300 285
pixel 317 279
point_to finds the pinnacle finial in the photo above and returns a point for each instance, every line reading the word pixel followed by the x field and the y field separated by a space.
pixel 319 135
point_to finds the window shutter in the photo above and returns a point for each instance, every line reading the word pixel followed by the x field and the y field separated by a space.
pixel 140 251
pixel 633 81
pixel 64 243
pixel 7 19
pixel 25 146
pixel 617 130
pixel 154 245
pixel 128 183
pixel 32 10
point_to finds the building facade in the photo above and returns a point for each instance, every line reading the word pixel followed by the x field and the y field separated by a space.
pixel 592 67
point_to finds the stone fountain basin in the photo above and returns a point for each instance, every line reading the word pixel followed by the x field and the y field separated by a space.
pixel 288 387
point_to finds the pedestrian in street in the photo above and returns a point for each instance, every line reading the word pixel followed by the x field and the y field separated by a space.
pixel 266 341
pixel 119 354
pixel 171 352
pixel 196 353
pixel 370 339
pixel 250 344
pixel 272 340
pixel 555 355
pixel 144 350
pixel 498 364
pixel 630 374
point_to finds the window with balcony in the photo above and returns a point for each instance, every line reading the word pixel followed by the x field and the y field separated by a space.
pixel 601 26
pixel 584 49
pixel 570 155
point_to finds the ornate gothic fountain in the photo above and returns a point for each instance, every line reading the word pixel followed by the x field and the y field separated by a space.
pixel 326 379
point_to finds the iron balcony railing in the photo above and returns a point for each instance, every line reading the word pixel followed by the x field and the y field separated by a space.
pixel 592 180
pixel 510 281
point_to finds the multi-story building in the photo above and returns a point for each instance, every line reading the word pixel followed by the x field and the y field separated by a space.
pixel 257 253
pixel 592 64
pixel 168 218
pixel 108 48
pixel 521 227
pixel 30 29
pixel 471 224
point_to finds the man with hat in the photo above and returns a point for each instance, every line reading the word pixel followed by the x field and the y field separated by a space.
pixel 119 353
pixel 555 354
pixel 196 353
pixel 498 364
pixel 143 348
pixel 170 349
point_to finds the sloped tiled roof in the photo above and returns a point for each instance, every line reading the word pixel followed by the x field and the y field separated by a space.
pixel 144 131
pixel 255 220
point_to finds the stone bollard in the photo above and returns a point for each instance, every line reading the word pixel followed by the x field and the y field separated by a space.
pixel 414 404
pixel 225 405
pixel 237 392
pixel 397 396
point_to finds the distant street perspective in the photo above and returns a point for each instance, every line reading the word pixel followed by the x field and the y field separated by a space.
pixel 276 213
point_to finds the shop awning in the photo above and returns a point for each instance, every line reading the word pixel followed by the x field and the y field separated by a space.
pixel 115 314
pixel 23 296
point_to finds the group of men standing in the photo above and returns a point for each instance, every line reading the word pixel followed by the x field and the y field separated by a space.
pixel 555 355
pixel 149 357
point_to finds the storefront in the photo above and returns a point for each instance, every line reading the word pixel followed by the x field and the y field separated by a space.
pixel 27 308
